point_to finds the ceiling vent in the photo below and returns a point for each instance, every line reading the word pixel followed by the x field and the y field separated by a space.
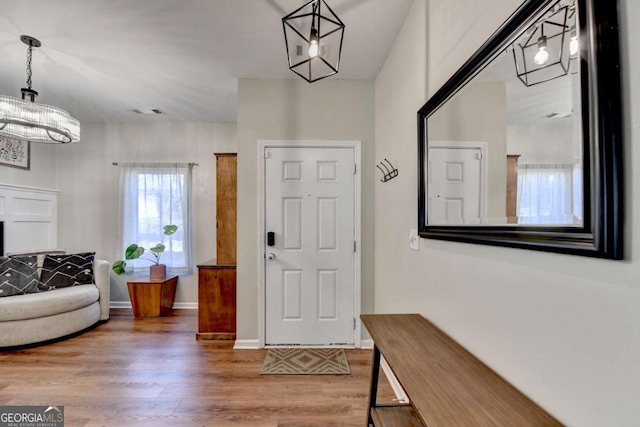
pixel 148 111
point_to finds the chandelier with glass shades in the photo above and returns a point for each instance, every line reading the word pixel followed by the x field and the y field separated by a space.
pixel 26 120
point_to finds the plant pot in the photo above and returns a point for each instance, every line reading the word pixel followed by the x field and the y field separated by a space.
pixel 158 271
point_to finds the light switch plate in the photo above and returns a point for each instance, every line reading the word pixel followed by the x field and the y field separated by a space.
pixel 414 240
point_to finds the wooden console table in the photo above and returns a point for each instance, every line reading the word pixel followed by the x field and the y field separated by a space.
pixel 152 297
pixel 446 385
pixel 216 301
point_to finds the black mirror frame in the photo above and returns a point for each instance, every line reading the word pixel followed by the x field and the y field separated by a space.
pixel 601 233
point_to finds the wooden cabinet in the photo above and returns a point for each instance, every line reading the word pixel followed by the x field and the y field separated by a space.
pixel 216 301
pixel 226 202
pixel 217 277
pixel 512 188
pixel 152 297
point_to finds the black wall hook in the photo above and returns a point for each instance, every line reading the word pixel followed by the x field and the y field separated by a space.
pixel 388 173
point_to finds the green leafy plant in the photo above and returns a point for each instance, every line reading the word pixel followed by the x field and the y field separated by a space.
pixel 135 251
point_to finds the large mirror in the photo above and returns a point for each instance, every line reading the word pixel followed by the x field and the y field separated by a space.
pixel 522 146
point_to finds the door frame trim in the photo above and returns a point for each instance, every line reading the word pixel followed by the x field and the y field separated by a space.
pixel 263 145
pixel 484 149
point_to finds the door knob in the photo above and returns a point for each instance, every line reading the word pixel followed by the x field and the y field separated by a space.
pixel 271 256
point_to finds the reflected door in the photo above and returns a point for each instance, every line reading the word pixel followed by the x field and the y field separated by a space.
pixel 310 269
pixel 455 183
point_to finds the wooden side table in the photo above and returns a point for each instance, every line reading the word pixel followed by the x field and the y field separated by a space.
pixel 152 297
pixel 216 301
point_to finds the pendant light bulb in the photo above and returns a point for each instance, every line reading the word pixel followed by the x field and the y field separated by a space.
pixel 542 55
pixel 313 44
pixel 573 44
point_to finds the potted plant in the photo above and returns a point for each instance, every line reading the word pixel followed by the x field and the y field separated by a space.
pixel 134 251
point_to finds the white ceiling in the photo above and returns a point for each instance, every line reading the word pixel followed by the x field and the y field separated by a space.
pixel 102 58
pixel 531 105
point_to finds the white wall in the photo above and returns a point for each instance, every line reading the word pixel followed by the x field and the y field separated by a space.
pixel 88 184
pixel 41 175
pixel 563 329
pixel 550 144
pixel 295 110
pixel 30 218
pixel 42 171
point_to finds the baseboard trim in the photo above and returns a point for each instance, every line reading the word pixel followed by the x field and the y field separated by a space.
pixel 185 305
pixel 366 344
pixel 255 344
pixel 176 305
pixel 246 345
pixel 120 304
pixel 401 397
pixel 215 336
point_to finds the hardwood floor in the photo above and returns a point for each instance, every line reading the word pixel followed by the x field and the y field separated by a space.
pixel 153 372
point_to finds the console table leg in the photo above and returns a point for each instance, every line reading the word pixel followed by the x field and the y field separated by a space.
pixel 373 390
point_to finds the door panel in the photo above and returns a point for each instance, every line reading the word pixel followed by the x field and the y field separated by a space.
pixel 292 282
pixel 455 183
pixel 328 224
pixel 310 282
pixel 328 294
pixel 292 223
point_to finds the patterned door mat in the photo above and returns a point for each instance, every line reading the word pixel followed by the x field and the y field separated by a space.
pixel 306 361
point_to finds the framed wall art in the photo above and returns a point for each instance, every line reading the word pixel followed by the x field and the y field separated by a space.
pixel 15 153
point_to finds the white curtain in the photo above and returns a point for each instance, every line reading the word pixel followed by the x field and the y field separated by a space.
pixel 153 195
pixel 578 189
pixel 545 194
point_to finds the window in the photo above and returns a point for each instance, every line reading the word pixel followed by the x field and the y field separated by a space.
pixel 546 195
pixel 153 195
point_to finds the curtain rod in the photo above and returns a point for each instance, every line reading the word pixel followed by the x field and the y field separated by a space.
pixel 190 164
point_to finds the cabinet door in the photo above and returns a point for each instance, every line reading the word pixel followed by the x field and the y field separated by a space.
pixel 216 303
pixel 226 200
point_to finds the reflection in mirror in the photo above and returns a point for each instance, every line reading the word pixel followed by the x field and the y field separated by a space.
pixel 507 148
pixel 522 146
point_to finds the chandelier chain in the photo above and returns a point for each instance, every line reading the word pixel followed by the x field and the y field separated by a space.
pixel 314 16
pixel 29 73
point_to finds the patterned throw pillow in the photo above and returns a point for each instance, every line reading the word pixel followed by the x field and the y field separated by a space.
pixel 63 271
pixel 40 253
pixel 18 275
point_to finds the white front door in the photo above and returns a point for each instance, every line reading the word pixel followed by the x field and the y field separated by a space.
pixel 455 185
pixel 310 269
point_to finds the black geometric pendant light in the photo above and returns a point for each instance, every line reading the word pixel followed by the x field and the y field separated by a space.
pixel 549 46
pixel 313 36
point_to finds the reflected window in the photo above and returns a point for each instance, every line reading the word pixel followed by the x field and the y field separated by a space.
pixel 546 194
